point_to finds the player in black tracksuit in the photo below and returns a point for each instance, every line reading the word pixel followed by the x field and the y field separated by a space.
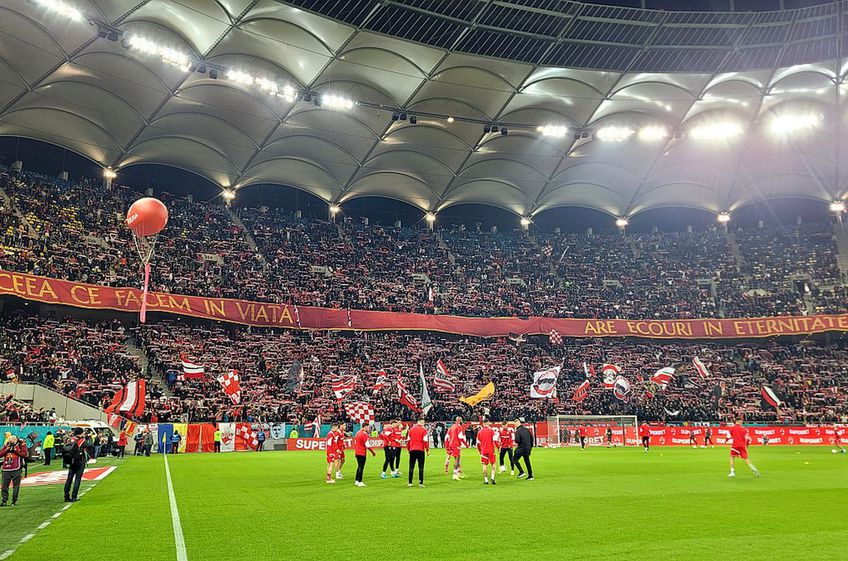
pixel 523 448
pixel 77 452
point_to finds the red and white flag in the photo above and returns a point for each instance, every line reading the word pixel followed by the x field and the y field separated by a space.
pixel 191 368
pixel 544 383
pixel 663 376
pixel 588 370
pixel 380 383
pixel 360 411
pixel 314 427
pixel 406 398
pixel 231 386
pixel 621 388
pixel 247 434
pixel 582 392
pixel 554 337
pixel 343 386
pixel 770 397
pixel 442 382
pixel 700 367
pixel 130 399
pixel 610 372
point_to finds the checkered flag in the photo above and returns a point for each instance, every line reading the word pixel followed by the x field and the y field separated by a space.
pixel 360 412
pixel 247 434
pixel 547 250
pixel 554 337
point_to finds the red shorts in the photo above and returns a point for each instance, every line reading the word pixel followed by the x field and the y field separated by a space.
pixel 487 459
pixel 340 454
pixel 739 453
pixel 453 452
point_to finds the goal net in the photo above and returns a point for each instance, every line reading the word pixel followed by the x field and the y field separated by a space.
pixel 565 430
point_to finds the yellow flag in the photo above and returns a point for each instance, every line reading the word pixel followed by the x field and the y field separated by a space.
pixel 486 393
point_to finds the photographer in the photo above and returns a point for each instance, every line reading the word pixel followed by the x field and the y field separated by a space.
pixel 77 452
pixel 14 454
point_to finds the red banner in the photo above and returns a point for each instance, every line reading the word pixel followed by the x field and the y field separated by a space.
pixel 309 444
pixel 53 291
pixel 680 436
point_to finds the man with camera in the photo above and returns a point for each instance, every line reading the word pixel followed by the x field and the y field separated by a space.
pixel 14 454
pixel 77 451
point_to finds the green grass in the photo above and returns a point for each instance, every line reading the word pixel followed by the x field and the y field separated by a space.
pixel 600 504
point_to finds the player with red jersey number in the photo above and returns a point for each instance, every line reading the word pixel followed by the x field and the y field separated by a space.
pixel 486 447
pixel 453 447
pixel 507 442
pixel 332 456
pixel 739 447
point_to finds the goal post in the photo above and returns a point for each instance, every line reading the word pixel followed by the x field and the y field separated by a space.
pixel 564 430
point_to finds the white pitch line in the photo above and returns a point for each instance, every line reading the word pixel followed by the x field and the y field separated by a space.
pixel 44 524
pixel 27 537
pixel 6 554
pixel 179 541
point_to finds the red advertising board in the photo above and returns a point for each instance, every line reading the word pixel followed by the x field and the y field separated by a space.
pixel 662 435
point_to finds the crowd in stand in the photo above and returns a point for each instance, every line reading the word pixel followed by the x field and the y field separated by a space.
pixel 75 231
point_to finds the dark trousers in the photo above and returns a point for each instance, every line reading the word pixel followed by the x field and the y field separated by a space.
pixel 360 467
pixel 48 455
pixel 521 453
pixel 416 456
pixel 507 452
pixel 13 477
pixel 260 446
pixel 389 462
pixel 582 442
pixel 147 448
pixel 646 441
pixel 217 446
pixel 396 452
pixel 74 478
pixel 175 447
pixel 121 451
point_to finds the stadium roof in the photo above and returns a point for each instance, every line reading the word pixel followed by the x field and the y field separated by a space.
pixel 702 109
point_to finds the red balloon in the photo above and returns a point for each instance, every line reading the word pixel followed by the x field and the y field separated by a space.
pixel 147 217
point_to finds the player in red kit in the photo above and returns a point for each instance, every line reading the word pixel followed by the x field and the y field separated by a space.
pixel 453 447
pixel 645 433
pixel 582 438
pixel 340 449
pixel 332 456
pixel 837 440
pixel 418 444
pixel 391 446
pixel 360 448
pixel 486 447
pixel 507 441
pixel 739 447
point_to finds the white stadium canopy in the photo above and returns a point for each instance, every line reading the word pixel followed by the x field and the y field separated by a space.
pixel 616 109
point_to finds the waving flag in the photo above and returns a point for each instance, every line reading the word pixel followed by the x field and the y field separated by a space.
pixel 406 398
pixel 663 376
pixel 554 337
pixel 248 435
pixel 621 388
pixel 231 386
pixel 485 393
pixel 548 250
pixel 343 386
pixel 426 402
pixel 295 376
pixel 130 399
pixel 610 372
pixel 770 397
pixel 582 392
pixel 442 382
pixel 588 370
pixel 544 383
pixel 192 370
pixel 314 427
pixel 700 367
pixel 360 411
pixel 380 383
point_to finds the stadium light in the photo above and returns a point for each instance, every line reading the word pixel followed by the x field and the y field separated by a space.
pixel 525 221
pixel 335 209
pixel 288 93
pixel 240 77
pixel 792 123
pixel 653 133
pixel 61 8
pixel 336 101
pixel 722 130
pixel 430 217
pixel 228 195
pixel 169 56
pixel 614 134
pixel 622 222
pixel 450 119
pixel 837 206
pixel 268 86
pixel 556 131
pixel 723 217
pixel 109 173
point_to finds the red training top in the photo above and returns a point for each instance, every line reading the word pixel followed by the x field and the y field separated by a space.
pixel 507 437
pixel 739 434
pixel 390 436
pixel 360 443
pixel 486 440
pixel 331 442
pixel 417 439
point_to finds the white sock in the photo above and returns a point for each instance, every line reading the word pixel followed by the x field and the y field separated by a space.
pixel 753 467
pixel 486 479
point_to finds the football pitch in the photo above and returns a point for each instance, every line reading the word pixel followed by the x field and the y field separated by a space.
pixel 598 504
